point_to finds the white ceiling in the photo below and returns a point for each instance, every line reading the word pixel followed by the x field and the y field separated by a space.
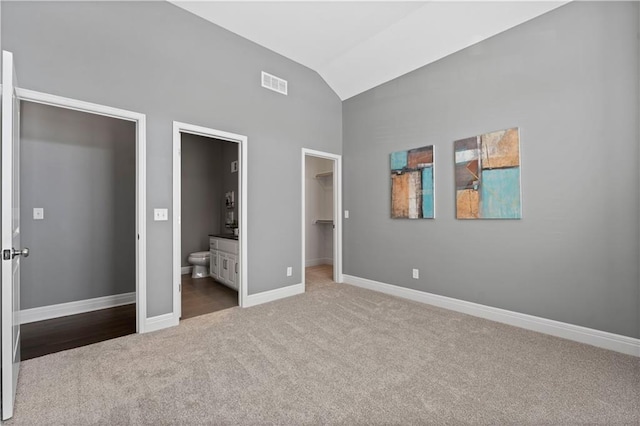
pixel 357 45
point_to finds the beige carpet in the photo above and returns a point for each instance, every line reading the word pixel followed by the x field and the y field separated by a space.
pixel 334 355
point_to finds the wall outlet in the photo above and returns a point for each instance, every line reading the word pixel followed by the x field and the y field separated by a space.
pixel 346 214
pixel 160 214
pixel 416 274
pixel 38 213
pixel 289 271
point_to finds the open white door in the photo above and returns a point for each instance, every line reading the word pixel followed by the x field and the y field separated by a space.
pixel 11 249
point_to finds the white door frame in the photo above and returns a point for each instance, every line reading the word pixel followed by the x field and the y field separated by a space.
pixel 178 129
pixel 141 180
pixel 337 211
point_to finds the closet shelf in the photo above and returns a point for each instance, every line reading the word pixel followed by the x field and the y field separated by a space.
pixel 324 174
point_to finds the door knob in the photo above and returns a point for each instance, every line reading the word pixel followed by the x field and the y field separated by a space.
pixel 24 252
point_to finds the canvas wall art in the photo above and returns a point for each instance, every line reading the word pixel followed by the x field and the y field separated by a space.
pixel 488 176
pixel 412 183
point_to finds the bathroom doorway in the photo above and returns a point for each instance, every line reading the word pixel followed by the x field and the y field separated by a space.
pixel 321 219
pixel 209 237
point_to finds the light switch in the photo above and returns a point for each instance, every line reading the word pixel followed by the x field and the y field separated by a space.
pixel 160 214
pixel 346 214
pixel 38 213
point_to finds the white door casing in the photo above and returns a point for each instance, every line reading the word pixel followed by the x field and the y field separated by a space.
pixel 337 211
pixel 242 141
pixel 142 322
pixel 11 249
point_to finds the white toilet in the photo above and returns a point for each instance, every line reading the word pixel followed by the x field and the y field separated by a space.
pixel 200 262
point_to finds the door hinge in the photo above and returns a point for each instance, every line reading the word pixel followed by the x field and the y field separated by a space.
pixel 6 254
pixel 179 288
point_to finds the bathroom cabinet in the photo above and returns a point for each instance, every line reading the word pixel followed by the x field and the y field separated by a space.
pixel 223 265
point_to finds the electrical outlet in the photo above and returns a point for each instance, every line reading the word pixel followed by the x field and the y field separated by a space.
pixel 416 274
pixel 289 271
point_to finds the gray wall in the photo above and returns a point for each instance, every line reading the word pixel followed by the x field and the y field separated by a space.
pixel 201 192
pixel 229 183
pixel 154 58
pixel 569 80
pixel 81 169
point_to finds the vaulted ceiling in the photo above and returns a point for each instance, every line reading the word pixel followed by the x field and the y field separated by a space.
pixel 357 45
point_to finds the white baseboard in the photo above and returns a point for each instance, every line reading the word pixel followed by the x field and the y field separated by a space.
pixel 318 262
pixel 160 321
pixel 615 342
pixel 184 270
pixel 271 295
pixel 78 307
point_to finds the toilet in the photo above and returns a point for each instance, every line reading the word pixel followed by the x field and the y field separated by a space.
pixel 200 262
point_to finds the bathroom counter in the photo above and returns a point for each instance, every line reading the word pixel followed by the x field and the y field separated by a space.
pixel 227 236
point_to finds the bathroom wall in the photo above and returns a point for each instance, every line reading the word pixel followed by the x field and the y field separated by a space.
pixel 229 183
pixel 569 80
pixel 80 168
pixel 318 205
pixel 157 59
pixel 202 171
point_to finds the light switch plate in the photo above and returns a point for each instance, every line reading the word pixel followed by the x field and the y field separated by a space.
pixel 160 214
pixel 289 271
pixel 38 213
pixel 346 214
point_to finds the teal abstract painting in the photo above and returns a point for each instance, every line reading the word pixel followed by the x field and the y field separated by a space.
pixel 412 186
pixel 487 169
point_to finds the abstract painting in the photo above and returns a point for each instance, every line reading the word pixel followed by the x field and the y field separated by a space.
pixel 412 183
pixel 488 176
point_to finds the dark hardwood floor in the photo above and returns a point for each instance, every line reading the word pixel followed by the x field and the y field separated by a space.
pixel 59 334
pixel 204 295
pixel 199 296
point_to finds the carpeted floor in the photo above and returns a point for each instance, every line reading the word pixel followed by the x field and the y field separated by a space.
pixel 334 355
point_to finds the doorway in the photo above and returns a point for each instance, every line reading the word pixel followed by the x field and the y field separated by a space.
pixel 209 209
pixel 321 218
pixel 209 221
pixel 139 121
pixel 78 218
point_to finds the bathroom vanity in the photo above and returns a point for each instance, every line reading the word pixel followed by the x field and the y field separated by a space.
pixel 224 265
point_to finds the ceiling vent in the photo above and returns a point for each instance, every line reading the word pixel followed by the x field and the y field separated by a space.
pixel 274 83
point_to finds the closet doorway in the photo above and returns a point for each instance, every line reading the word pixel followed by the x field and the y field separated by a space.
pixel 321 218
pixel 209 223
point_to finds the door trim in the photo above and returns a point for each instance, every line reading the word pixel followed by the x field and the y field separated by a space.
pixel 141 180
pixel 337 211
pixel 242 141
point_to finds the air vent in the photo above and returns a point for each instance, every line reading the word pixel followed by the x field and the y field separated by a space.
pixel 274 83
